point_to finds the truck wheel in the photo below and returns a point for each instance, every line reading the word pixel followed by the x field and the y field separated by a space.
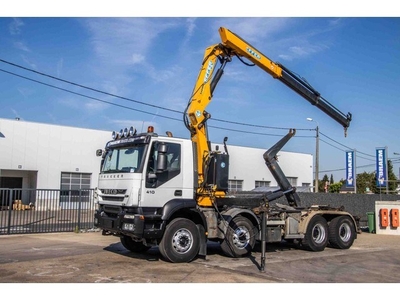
pixel 316 237
pixel 239 238
pixel 131 245
pixel 341 232
pixel 181 241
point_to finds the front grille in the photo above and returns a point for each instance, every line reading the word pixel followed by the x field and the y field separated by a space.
pixel 111 209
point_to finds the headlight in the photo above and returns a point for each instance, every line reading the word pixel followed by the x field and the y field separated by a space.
pixel 128 226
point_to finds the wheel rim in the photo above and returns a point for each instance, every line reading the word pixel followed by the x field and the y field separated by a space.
pixel 319 234
pixel 241 237
pixel 182 241
pixel 345 232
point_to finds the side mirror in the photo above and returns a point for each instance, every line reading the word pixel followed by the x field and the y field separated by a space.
pixel 99 152
pixel 162 158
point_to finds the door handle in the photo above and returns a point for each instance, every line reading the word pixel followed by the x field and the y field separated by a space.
pixel 178 193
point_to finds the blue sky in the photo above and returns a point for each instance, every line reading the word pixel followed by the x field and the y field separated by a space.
pixel 354 62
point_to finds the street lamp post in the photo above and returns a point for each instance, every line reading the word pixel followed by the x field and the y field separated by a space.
pixel 316 153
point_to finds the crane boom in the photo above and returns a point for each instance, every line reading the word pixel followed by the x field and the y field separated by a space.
pixel 280 72
pixel 196 116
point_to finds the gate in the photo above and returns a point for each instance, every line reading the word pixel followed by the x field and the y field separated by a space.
pixel 40 210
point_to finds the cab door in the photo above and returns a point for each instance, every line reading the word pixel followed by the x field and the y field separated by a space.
pixel 162 184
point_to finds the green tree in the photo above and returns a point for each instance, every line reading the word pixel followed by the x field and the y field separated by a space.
pixel 366 182
pixel 321 183
pixel 392 179
pixel 335 187
pixel 331 180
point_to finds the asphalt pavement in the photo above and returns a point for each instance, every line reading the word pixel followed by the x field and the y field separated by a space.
pixel 90 257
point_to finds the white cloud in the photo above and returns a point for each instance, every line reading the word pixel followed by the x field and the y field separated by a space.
pixel 137 58
pixel 191 25
pixel 285 57
pixel 31 64
pixel 21 46
pixel 163 75
pixel 140 126
pixel 15 26
pixel 254 30
pixel 122 41
pixel 94 106
pixel 91 106
pixel 303 48
pixel 335 22
pixel 25 92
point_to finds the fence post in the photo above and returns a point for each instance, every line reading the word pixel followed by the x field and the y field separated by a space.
pixel 79 212
pixel 9 210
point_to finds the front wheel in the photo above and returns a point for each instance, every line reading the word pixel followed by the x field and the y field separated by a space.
pixel 181 241
pixel 342 232
pixel 239 238
pixel 316 237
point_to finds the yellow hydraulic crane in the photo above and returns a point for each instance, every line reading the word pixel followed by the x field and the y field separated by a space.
pixel 196 116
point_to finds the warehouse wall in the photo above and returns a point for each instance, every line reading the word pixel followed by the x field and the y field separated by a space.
pixel 47 150
pixel 248 164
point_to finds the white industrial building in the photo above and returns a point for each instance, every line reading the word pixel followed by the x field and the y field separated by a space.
pixel 45 156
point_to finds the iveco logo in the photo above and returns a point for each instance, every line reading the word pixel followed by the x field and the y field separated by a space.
pixel 254 53
pixel 112 191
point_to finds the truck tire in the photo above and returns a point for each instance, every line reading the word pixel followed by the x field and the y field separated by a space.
pixel 342 232
pixel 181 241
pixel 316 237
pixel 239 238
pixel 131 245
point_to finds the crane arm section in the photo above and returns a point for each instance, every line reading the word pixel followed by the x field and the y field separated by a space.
pixel 280 72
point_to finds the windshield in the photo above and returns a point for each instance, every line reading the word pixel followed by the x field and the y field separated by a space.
pixel 123 160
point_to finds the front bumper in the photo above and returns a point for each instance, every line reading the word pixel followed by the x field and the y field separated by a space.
pixel 122 223
pixel 135 225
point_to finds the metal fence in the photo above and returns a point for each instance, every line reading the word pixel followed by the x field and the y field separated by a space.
pixel 40 210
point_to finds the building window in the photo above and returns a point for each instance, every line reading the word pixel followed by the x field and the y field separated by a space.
pixel 305 184
pixel 292 181
pixel 71 184
pixel 260 183
pixel 235 185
